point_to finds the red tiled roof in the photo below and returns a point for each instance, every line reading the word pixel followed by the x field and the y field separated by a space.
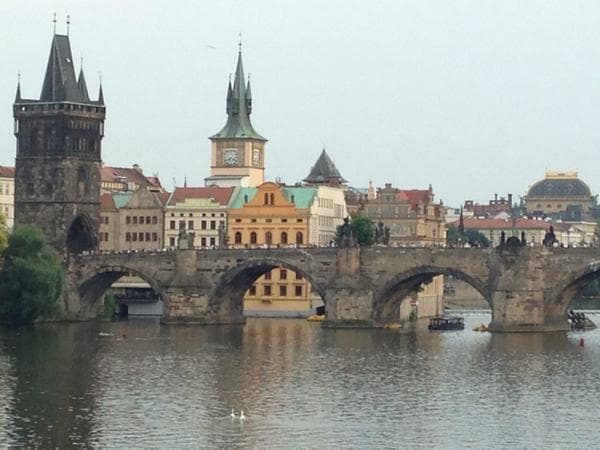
pixel 130 174
pixel 154 181
pixel 416 196
pixel 106 201
pixel 499 224
pixel 219 194
pixel 7 172
pixel 163 197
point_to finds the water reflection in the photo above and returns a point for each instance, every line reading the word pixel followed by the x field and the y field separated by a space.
pixel 139 384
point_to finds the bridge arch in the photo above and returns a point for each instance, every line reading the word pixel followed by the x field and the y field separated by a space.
pixel 558 304
pixel 95 285
pixel 388 298
pixel 227 297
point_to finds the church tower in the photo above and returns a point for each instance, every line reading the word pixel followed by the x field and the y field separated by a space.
pixel 238 152
pixel 58 160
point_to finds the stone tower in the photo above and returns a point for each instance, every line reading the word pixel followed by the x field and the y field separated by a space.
pixel 57 167
pixel 238 151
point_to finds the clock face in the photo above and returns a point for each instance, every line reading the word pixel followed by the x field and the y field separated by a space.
pixel 256 156
pixel 231 157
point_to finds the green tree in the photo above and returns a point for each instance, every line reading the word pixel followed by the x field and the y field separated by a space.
pixel 3 233
pixel 473 237
pixel 31 278
pixel 362 228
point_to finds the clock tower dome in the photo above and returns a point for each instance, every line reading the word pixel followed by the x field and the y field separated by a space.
pixel 237 151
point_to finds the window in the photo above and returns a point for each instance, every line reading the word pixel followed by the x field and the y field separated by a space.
pixel 267 290
pixel 203 242
pixel 203 225
pixel 238 237
pixel 172 242
pixel 148 220
pixel 106 220
pixel 284 239
pixel 253 237
pixel 298 291
pixel 299 220
pixel 268 220
pixel 154 220
pixel 268 237
pixel 268 276
pixel 253 220
pixel 238 220
pixel 283 220
pixel 128 237
pixel 266 199
pixel 283 291
pixel 172 225
pixel 298 276
pixel 134 220
pixel 213 224
pixel 299 237
pixel 154 237
pixel 252 290
pixel 141 237
pixel 213 241
pixel 191 215
pixel 222 224
pixel 147 235
pixel 190 224
pixel 181 224
pixel 141 220
pixel 272 198
pixel 134 237
pixel 283 274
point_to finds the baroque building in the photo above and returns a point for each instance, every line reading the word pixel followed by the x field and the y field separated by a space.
pixel 7 194
pixel 58 157
pixel 237 151
pixel 559 192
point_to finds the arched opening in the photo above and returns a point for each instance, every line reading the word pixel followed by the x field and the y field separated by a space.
pixel 269 288
pixel 81 236
pixel 238 237
pixel 284 238
pixel 268 238
pixel 579 299
pixel 460 295
pixel 299 238
pixel 419 293
pixel 253 237
pixel 120 291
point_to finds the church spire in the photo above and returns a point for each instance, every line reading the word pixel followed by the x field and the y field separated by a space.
pixel 239 107
pixel 100 95
pixel 81 84
pixel 18 94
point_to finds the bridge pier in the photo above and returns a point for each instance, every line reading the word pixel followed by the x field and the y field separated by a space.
pixel 348 307
pixel 524 311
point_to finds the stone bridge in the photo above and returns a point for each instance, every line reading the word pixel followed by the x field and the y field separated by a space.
pixel 528 289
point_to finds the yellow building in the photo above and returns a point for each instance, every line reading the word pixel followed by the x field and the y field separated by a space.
pixel 7 194
pixel 273 216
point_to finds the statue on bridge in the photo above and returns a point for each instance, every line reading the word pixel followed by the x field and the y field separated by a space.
pixel 382 234
pixel 223 238
pixel 550 238
pixel 185 240
pixel 346 236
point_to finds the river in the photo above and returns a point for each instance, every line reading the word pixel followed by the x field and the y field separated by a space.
pixel 138 384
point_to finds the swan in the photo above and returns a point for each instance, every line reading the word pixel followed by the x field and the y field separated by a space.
pixel 232 415
pixel 242 416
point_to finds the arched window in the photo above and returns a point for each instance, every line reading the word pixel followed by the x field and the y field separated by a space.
pixel 268 238
pixel 299 238
pixel 266 199
pixel 238 237
pixel 284 237
pixel 253 237
pixel 272 198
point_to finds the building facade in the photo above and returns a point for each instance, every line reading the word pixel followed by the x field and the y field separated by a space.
pixel 123 179
pixel 274 216
pixel 7 195
pixel 558 192
pixel 57 170
pixel 492 229
pixel 237 151
pixel 198 210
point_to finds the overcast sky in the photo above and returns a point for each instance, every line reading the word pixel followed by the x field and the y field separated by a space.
pixel 475 97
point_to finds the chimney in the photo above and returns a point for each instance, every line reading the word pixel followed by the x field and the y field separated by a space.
pixel 510 200
pixel 495 199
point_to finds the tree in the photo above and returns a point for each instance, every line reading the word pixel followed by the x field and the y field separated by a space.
pixel 362 228
pixel 473 237
pixel 31 279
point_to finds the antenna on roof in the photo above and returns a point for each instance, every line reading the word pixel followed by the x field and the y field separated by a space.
pixel 54 22
pixel 68 23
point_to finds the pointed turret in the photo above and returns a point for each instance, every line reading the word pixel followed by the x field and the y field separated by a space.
pixel 82 86
pixel 100 95
pixel 18 94
pixel 248 97
pixel 324 172
pixel 239 107
pixel 60 83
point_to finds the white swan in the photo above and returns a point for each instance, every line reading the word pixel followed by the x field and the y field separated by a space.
pixel 242 416
pixel 232 415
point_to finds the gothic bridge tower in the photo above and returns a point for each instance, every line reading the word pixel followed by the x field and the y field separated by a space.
pixel 238 151
pixel 58 160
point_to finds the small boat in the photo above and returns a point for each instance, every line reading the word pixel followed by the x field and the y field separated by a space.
pixel 315 318
pixel 446 323
pixel 481 327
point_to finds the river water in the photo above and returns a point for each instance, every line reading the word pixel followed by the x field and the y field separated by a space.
pixel 138 384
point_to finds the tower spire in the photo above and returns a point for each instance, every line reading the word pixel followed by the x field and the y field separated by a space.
pixel 68 23
pixel 54 24
pixel 18 94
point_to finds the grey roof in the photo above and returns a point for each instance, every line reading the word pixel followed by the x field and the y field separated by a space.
pixel 60 84
pixel 559 188
pixel 324 171
pixel 239 107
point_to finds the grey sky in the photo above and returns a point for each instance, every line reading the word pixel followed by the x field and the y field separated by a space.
pixel 475 97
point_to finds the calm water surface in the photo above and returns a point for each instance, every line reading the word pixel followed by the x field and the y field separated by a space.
pixel 300 386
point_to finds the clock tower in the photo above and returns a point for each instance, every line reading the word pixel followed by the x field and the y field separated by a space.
pixel 237 151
